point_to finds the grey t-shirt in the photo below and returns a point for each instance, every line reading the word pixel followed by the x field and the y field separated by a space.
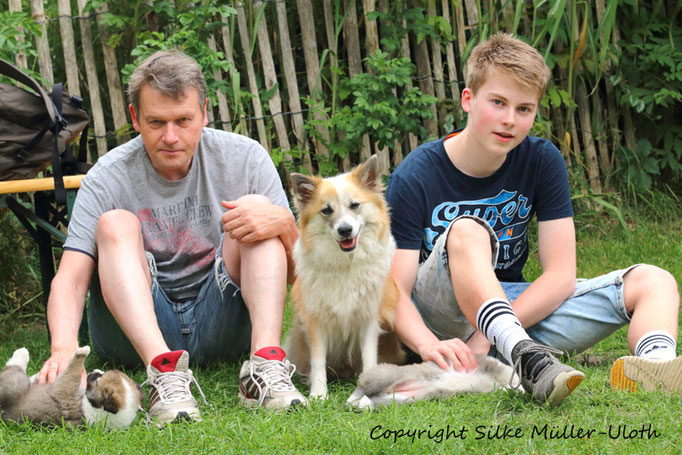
pixel 180 220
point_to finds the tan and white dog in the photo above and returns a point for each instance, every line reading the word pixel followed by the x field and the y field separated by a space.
pixel 110 399
pixel 344 298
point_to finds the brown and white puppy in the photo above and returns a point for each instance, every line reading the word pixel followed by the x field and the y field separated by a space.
pixel 110 399
pixel 386 384
pixel 344 298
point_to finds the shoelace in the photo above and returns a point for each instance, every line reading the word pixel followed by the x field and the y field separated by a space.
pixel 276 375
pixel 531 349
pixel 173 387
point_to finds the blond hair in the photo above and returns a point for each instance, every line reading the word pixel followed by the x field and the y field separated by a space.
pixel 503 53
pixel 170 72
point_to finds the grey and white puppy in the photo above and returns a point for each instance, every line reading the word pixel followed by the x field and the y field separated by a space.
pixel 111 398
pixel 385 384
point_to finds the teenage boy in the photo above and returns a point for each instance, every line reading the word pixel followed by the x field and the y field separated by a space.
pixel 460 209
pixel 177 275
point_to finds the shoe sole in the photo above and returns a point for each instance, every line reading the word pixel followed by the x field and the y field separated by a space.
pixel 634 373
pixel 252 403
pixel 564 384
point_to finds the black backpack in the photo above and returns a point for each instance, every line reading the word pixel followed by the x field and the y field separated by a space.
pixel 35 129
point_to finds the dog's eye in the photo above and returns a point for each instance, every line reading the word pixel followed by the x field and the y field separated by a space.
pixel 354 205
pixel 326 211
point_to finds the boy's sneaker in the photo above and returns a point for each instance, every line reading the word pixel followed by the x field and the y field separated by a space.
pixel 265 380
pixel 542 374
pixel 170 399
pixel 632 373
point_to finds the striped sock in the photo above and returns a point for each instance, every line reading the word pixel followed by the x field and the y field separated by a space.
pixel 497 321
pixel 656 345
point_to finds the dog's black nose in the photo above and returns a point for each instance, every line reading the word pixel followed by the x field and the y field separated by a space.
pixel 345 230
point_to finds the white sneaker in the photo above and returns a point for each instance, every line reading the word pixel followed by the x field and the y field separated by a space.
pixel 265 380
pixel 632 373
pixel 170 399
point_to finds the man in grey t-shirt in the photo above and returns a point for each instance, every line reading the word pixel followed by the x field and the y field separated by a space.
pixel 190 233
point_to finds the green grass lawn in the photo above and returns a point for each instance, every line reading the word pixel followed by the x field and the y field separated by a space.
pixel 594 419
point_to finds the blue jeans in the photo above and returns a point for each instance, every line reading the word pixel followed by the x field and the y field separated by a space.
pixel 594 311
pixel 215 325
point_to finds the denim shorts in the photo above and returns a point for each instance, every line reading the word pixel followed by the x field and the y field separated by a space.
pixel 215 325
pixel 594 311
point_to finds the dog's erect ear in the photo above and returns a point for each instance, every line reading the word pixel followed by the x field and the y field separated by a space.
pixel 303 188
pixel 368 174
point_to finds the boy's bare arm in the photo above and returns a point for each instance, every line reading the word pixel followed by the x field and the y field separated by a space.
pixel 65 310
pixel 411 328
pixel 556 248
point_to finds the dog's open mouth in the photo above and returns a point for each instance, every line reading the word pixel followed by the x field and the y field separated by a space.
pixel 348 244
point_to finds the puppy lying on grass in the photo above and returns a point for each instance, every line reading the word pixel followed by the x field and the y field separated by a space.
pixel 385 384
pixel 111 398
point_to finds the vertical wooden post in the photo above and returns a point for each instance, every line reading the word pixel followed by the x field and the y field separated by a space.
pixel 118 104
pixel 93 82
pixel 223 110
pixel 69 46
pixel 44 58
pixel 452 65
pixel 461 35
pixel 305 14
pixel 15 7
pixel 426 83
pixel 588 137
pixel 229 56
pixel 436 57
pixel 292 84
pixel 270 75
pixel 405 52
pixel 352 41
pixel 372 45
pixel 253 87
pixel 330 28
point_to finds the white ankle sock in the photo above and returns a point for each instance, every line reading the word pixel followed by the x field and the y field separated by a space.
pixel 497 321
pixel 656 344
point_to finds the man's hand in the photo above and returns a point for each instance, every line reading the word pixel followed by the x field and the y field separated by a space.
pixel 57 363
pixel 253 218
pixel 449 352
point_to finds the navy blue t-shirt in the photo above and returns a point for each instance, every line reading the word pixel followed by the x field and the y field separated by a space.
pixel 426 192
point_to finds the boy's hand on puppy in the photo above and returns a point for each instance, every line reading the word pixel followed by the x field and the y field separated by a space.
pixel 452 353
pixel 252 218
pixel 57 363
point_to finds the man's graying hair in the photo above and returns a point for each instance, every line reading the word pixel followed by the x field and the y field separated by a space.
pixel 171 73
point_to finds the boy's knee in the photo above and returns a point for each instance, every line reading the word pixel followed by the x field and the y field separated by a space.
pixel 116 224
pixel 467 234
pixel 645 279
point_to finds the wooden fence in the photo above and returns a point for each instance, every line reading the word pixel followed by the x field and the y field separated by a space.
pixel 288 47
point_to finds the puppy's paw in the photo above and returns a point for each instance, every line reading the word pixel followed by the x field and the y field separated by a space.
pixel 19 358
pixel 365 403
pixel 82 352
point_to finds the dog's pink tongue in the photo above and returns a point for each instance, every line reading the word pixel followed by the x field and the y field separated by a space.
pixel 167 362
pixel 350 243
pixel 271 353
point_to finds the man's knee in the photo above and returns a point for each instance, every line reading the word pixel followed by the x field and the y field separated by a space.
pixel 254 198
pixel 466 235
pixel 116 224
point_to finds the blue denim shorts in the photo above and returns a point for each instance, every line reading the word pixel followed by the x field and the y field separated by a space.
pixel 594 311
pixel 215 325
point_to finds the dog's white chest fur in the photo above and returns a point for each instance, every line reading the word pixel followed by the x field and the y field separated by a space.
pixel 344 288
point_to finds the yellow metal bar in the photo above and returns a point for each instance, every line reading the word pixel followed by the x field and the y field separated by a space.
pixel 44 184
